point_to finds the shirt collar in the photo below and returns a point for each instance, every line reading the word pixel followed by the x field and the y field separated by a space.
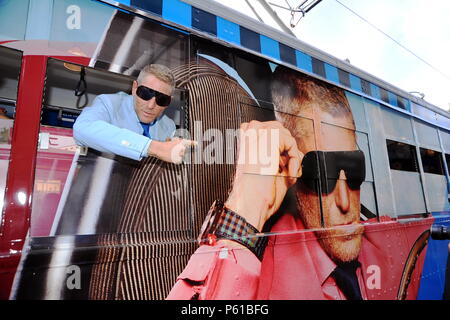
pixel 323 264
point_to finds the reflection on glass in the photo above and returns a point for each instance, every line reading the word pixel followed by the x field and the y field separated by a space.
pixel 256 73
pixel 54 161
pixel 13 22
pixel 22 197
pixel 431 161
pixel 402 156
pixel 447 160
pixel 5 147
pixel 150 43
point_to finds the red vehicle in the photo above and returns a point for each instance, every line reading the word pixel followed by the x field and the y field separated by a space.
pixel 82 224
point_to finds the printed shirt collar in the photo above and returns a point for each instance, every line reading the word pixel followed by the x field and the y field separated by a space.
pixel 322 262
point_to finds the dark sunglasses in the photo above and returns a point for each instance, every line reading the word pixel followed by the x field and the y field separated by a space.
pixel 146 94
pixel 324 167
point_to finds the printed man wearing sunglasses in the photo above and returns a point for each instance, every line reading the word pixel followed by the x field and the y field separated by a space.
pixel 317 163
pixel 134 126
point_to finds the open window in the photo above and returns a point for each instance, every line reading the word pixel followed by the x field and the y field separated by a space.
pixel 70 87
pixel 74 186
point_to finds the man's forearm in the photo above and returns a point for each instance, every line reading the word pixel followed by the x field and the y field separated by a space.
pixel 161 150
pixel 105 137
pixel 251 207
pixel 154 148
pixel 170 151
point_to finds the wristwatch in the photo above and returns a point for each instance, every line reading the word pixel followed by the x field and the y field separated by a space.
pixel 223 223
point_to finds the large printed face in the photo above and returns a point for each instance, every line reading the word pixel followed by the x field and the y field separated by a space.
pixel 341 233
pixel 148 111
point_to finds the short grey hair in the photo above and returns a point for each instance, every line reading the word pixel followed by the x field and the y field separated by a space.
pixel 293 91
pixel 160 71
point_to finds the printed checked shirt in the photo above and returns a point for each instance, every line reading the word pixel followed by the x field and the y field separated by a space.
pixel 295 266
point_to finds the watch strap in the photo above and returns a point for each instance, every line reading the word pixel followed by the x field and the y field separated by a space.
pixel 223 223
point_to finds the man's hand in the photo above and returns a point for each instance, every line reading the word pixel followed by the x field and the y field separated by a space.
pixel 170 151
pixel 269 162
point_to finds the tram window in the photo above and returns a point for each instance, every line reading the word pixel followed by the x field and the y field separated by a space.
pixel 365 85
pixel 10 63
pixel 256 74
pixel 62 107
pixel 318 67
pixel 70 87
pixel 70 183
pixel 402 156
pixel 384 95
pixel 447 160
pixel 208 48
pixel 344 77
pixel 402 102
pixel 431 161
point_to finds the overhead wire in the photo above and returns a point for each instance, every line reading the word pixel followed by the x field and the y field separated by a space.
pixel 394 40
pixel 254 11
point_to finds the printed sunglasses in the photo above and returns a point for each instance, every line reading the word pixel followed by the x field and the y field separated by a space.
pixel 146 93
pixel 325 166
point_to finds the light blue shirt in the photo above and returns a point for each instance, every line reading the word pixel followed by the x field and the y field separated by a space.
pixel 110 124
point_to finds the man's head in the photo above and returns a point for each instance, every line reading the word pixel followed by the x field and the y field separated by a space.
pixel 155 82
pixel 319 117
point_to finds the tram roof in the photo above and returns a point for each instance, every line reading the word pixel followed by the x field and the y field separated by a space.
pixel 213 20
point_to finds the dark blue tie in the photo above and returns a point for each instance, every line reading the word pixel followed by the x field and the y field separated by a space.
pixel 146 127
pixel 347 281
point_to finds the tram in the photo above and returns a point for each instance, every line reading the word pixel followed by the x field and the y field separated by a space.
pixel 78 223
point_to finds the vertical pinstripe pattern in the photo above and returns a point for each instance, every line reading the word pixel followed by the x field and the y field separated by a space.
pixel 165 204
pixel 105 265
pixel 215 100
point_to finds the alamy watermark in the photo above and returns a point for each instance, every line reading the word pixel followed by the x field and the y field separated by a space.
pixel 73 280
pixel 255 146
